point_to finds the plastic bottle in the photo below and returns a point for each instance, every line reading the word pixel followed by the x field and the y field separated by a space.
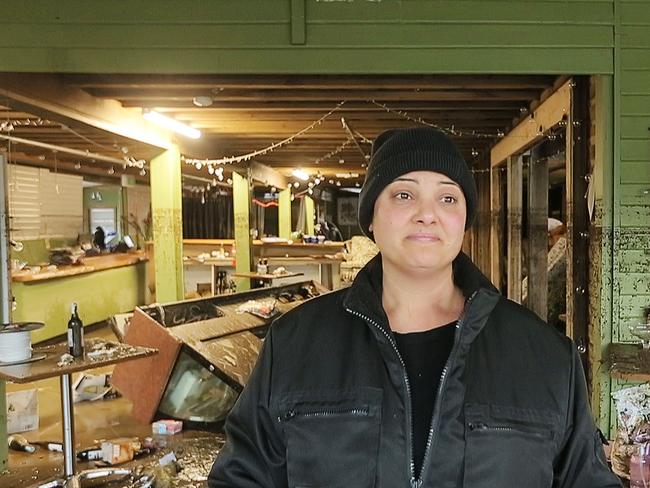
pixel 19 443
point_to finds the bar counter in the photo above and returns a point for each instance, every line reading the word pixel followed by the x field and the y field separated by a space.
pixel 102 286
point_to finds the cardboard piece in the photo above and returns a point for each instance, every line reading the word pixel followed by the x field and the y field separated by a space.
pixel 22 411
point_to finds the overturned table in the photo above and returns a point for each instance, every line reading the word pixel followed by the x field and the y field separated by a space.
pixel 98 353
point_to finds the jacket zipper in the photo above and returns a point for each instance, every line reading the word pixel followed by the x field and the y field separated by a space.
pixel 435 420
pixel 332 412
pixel 417 482
pixel 414 482
pixel 483 427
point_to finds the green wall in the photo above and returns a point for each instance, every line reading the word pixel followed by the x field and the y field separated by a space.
pixel 100 295
pixel 253 36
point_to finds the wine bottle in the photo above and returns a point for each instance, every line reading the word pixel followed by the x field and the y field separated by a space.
pixel 92 454
pixel 75 333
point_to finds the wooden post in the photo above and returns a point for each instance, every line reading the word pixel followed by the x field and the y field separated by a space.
pixel 284 214
pixel 167 213
pixel 495 226
pixel 241 195
pixel 577 257
pixel 538 234
pixel 515 198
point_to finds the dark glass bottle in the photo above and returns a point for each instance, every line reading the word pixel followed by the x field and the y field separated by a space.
pixel 75 333
pixel 92 454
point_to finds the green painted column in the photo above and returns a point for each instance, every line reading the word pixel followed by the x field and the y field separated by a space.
pixel 241 194
pixel 167 213
pixel 309 215
pixel 284 214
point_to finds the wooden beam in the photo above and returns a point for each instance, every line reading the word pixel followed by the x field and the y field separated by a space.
pixel 515 197
pixel 267 175
pixel 496 231
pixel 531 129
pixel 46 96
pixel 577 257
pixel 309 82
pixel 538 235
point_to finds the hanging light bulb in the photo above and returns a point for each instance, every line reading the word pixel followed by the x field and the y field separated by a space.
pixel 341 161
pixel 211 169
pixel 310 185
pixel 197 165
pixel 202 198
pixel 293 197
pixel 274 189
pixel 296 184
pixel 220 177
pixel 77 165
pixel 338 183
pixel 229 181
pixel 143 172
pixel 111 170
pixel 331 182
pixel 310 191
pixel 317 181
pixel 214 182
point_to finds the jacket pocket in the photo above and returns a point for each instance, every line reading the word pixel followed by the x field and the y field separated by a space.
pixel 508 446
pixel 332 438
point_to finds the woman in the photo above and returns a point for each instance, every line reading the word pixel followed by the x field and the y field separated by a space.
pixel 420 374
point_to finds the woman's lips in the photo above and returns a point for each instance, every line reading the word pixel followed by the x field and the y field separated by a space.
pixel 423 237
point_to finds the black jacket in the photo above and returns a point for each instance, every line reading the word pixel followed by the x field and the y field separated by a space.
pixel 328 403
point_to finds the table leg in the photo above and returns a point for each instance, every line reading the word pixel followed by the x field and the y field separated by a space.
pixel 67 406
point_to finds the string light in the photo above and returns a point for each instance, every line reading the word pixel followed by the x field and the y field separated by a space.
pixel 199 163
pixel 419 120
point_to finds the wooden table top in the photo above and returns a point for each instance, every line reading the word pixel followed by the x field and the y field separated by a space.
pixel 268 276
pixel 98 353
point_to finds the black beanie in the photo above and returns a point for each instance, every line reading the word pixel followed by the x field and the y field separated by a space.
pixel 399 151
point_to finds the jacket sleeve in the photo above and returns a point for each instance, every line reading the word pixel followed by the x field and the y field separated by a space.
pixel 581 462
pixel 254 454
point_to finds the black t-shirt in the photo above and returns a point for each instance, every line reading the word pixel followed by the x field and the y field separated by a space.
pixel 425 355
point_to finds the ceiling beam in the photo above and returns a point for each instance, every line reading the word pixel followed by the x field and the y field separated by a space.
pixel 531 129
pixel 309 82
pixel 46 96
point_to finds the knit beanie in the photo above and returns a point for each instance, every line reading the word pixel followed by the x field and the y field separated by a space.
pixel 399 151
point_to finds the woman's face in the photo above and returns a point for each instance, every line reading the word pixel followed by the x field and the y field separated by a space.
pixel 419 221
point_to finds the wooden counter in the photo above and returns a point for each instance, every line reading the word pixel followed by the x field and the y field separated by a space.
pixel 88 265
pixel 102 286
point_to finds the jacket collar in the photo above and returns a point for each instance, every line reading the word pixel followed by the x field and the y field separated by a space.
pixel 364 295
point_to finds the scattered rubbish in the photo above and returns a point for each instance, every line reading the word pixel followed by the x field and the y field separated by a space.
pixel 90 387
pixel 50 446
pixel 65 359
pixel 167 458
pixel 22 411
pixel 18 443
pixel 264 308
pixel 120 450
pixel 167 427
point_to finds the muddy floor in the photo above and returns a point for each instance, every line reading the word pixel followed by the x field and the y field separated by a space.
pixel 194 450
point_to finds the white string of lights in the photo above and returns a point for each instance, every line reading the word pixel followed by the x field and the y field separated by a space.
pixel 199 163
pixel 448 130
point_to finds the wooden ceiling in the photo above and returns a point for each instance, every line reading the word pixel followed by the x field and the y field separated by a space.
pixel 250 113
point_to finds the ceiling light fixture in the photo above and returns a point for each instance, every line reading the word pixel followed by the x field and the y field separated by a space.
pixel 202 101
pixel 300 174
pixel 172 124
